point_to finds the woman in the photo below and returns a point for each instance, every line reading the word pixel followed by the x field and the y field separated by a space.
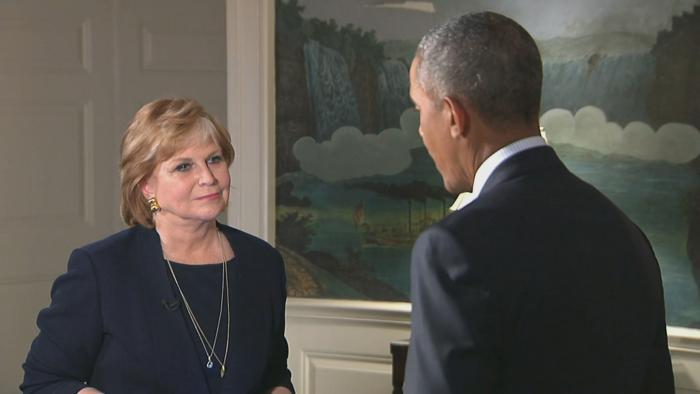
pixel 177 303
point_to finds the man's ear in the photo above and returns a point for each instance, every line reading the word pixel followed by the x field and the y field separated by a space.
pixel 459 118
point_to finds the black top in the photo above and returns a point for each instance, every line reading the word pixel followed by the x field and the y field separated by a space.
pixel 201 285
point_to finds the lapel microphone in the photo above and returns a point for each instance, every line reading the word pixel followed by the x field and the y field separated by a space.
pixel 170 305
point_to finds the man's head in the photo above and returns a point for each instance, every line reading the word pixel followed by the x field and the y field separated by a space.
pixel 477 81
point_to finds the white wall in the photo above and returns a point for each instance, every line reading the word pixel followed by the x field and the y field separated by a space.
pixel 335 346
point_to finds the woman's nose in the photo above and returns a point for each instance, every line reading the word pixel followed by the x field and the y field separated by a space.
pixel 206 176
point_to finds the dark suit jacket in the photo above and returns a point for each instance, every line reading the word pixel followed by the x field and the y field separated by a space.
pixel 111 322
pixel 541 285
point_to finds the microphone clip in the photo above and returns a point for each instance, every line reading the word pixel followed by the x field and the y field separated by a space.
pixel 170 305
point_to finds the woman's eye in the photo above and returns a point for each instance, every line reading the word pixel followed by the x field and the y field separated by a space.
pixel 183 167
pixel 215 159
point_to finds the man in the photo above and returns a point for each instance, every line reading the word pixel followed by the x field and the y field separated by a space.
pixel 539 284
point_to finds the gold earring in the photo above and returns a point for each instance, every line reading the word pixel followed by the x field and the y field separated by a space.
pixel 153 205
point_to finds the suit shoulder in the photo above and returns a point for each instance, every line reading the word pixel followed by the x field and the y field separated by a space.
pixel 436 237
pixel 469 217
pixel 116 241
pixel 250 244
pixel 248 239
pixel 117 249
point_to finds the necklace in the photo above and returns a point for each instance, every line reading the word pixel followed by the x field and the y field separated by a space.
pixel 209 348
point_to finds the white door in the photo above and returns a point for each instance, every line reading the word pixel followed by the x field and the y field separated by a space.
pixel 56 158
pixel 72 73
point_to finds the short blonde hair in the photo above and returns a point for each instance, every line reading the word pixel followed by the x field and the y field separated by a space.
pixel 158 131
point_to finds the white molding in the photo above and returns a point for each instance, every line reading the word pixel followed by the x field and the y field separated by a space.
pixel 86 49
pixel 88 162
pixel 343 341
pixel 250 113
pixel 310 356
pixel 373 312
pixel 684 340
pixel 317 364
pixel 684 344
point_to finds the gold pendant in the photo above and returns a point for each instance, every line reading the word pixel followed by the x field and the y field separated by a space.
pixel 223 370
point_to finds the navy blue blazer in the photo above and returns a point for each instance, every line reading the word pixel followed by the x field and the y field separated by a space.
pixel 540 285
pixel 112 325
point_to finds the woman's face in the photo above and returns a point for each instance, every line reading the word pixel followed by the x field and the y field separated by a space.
pixel 192 186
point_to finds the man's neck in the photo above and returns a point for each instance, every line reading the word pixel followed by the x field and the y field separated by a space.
pixel 487 139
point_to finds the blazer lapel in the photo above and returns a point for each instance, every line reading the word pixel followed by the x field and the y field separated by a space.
pixel 173 353
pixel 233 380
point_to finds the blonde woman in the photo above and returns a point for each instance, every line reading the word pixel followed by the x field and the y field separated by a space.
pixel 177 303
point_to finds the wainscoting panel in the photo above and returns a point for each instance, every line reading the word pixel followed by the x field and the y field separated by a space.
pixel 339 346
pixel 327 372
pixel 685 355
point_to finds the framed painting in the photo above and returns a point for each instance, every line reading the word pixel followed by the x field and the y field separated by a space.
pixel 355 185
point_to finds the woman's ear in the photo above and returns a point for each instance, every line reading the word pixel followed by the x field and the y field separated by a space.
pixel 459 118
pixel 146 188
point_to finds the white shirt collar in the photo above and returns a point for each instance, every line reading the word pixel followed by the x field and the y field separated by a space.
pixel 491 163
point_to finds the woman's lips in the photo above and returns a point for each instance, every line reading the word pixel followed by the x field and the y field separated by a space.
pixel 212 196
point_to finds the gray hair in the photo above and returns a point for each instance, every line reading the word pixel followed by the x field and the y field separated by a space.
pixel 486 59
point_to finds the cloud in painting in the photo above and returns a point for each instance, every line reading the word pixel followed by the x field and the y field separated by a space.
pixel 590 129
pixel 351 154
